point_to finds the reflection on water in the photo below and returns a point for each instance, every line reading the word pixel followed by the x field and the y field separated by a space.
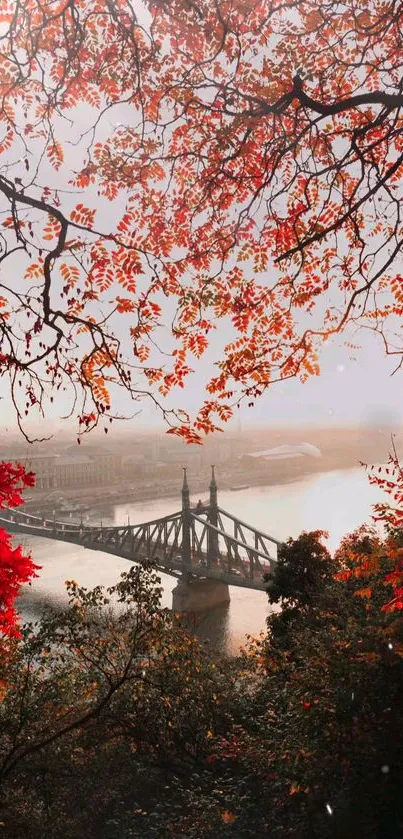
pixel 335 501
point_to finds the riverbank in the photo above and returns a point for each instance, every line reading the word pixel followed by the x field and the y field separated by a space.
pixel 152 474
pixel 278 473
pixel 84 501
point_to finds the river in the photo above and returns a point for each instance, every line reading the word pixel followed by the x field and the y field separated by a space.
pixel 335 501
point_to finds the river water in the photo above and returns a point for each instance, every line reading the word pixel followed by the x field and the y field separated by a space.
pixel 335 501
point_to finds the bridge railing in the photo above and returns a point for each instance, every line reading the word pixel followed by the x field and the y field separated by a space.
pixel 17 516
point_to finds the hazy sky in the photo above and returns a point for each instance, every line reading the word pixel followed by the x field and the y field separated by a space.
pixel 348 392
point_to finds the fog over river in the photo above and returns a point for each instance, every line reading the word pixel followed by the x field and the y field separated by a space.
pixel 335 501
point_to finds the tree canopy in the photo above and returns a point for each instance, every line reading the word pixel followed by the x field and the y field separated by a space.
pixel 170 166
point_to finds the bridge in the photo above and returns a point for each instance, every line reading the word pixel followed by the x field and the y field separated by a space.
pixel 204 546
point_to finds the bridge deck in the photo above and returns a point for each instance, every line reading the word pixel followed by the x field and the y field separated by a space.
pixel 214 552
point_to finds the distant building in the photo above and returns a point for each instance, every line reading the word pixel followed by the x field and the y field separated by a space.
pixel 287 451
pixel 176 452
pixel 219 450
pixel 42 465
pixel 134 465
pixel 73 468
pixel 97 467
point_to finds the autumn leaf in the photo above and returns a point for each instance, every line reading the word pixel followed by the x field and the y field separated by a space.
pixel 296 789
pixel 364 593
pixel 55 154
pixel 227 817
pixel 82 215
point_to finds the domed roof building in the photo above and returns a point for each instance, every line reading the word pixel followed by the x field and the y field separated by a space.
pixel 287 451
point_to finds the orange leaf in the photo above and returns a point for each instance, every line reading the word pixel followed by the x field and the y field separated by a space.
pixel 227 817
pixel 55 154
pixel 363 592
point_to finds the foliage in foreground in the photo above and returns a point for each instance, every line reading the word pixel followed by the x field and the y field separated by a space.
pixel 117 723
pixel 101 711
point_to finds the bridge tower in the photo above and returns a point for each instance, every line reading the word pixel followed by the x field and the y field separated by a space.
pixel 212 536
pixel 186 543
pixel 193 594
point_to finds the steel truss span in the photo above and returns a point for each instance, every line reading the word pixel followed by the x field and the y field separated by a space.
pixel 204 541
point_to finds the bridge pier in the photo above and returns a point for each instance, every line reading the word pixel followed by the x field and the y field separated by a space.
pixel 194 595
